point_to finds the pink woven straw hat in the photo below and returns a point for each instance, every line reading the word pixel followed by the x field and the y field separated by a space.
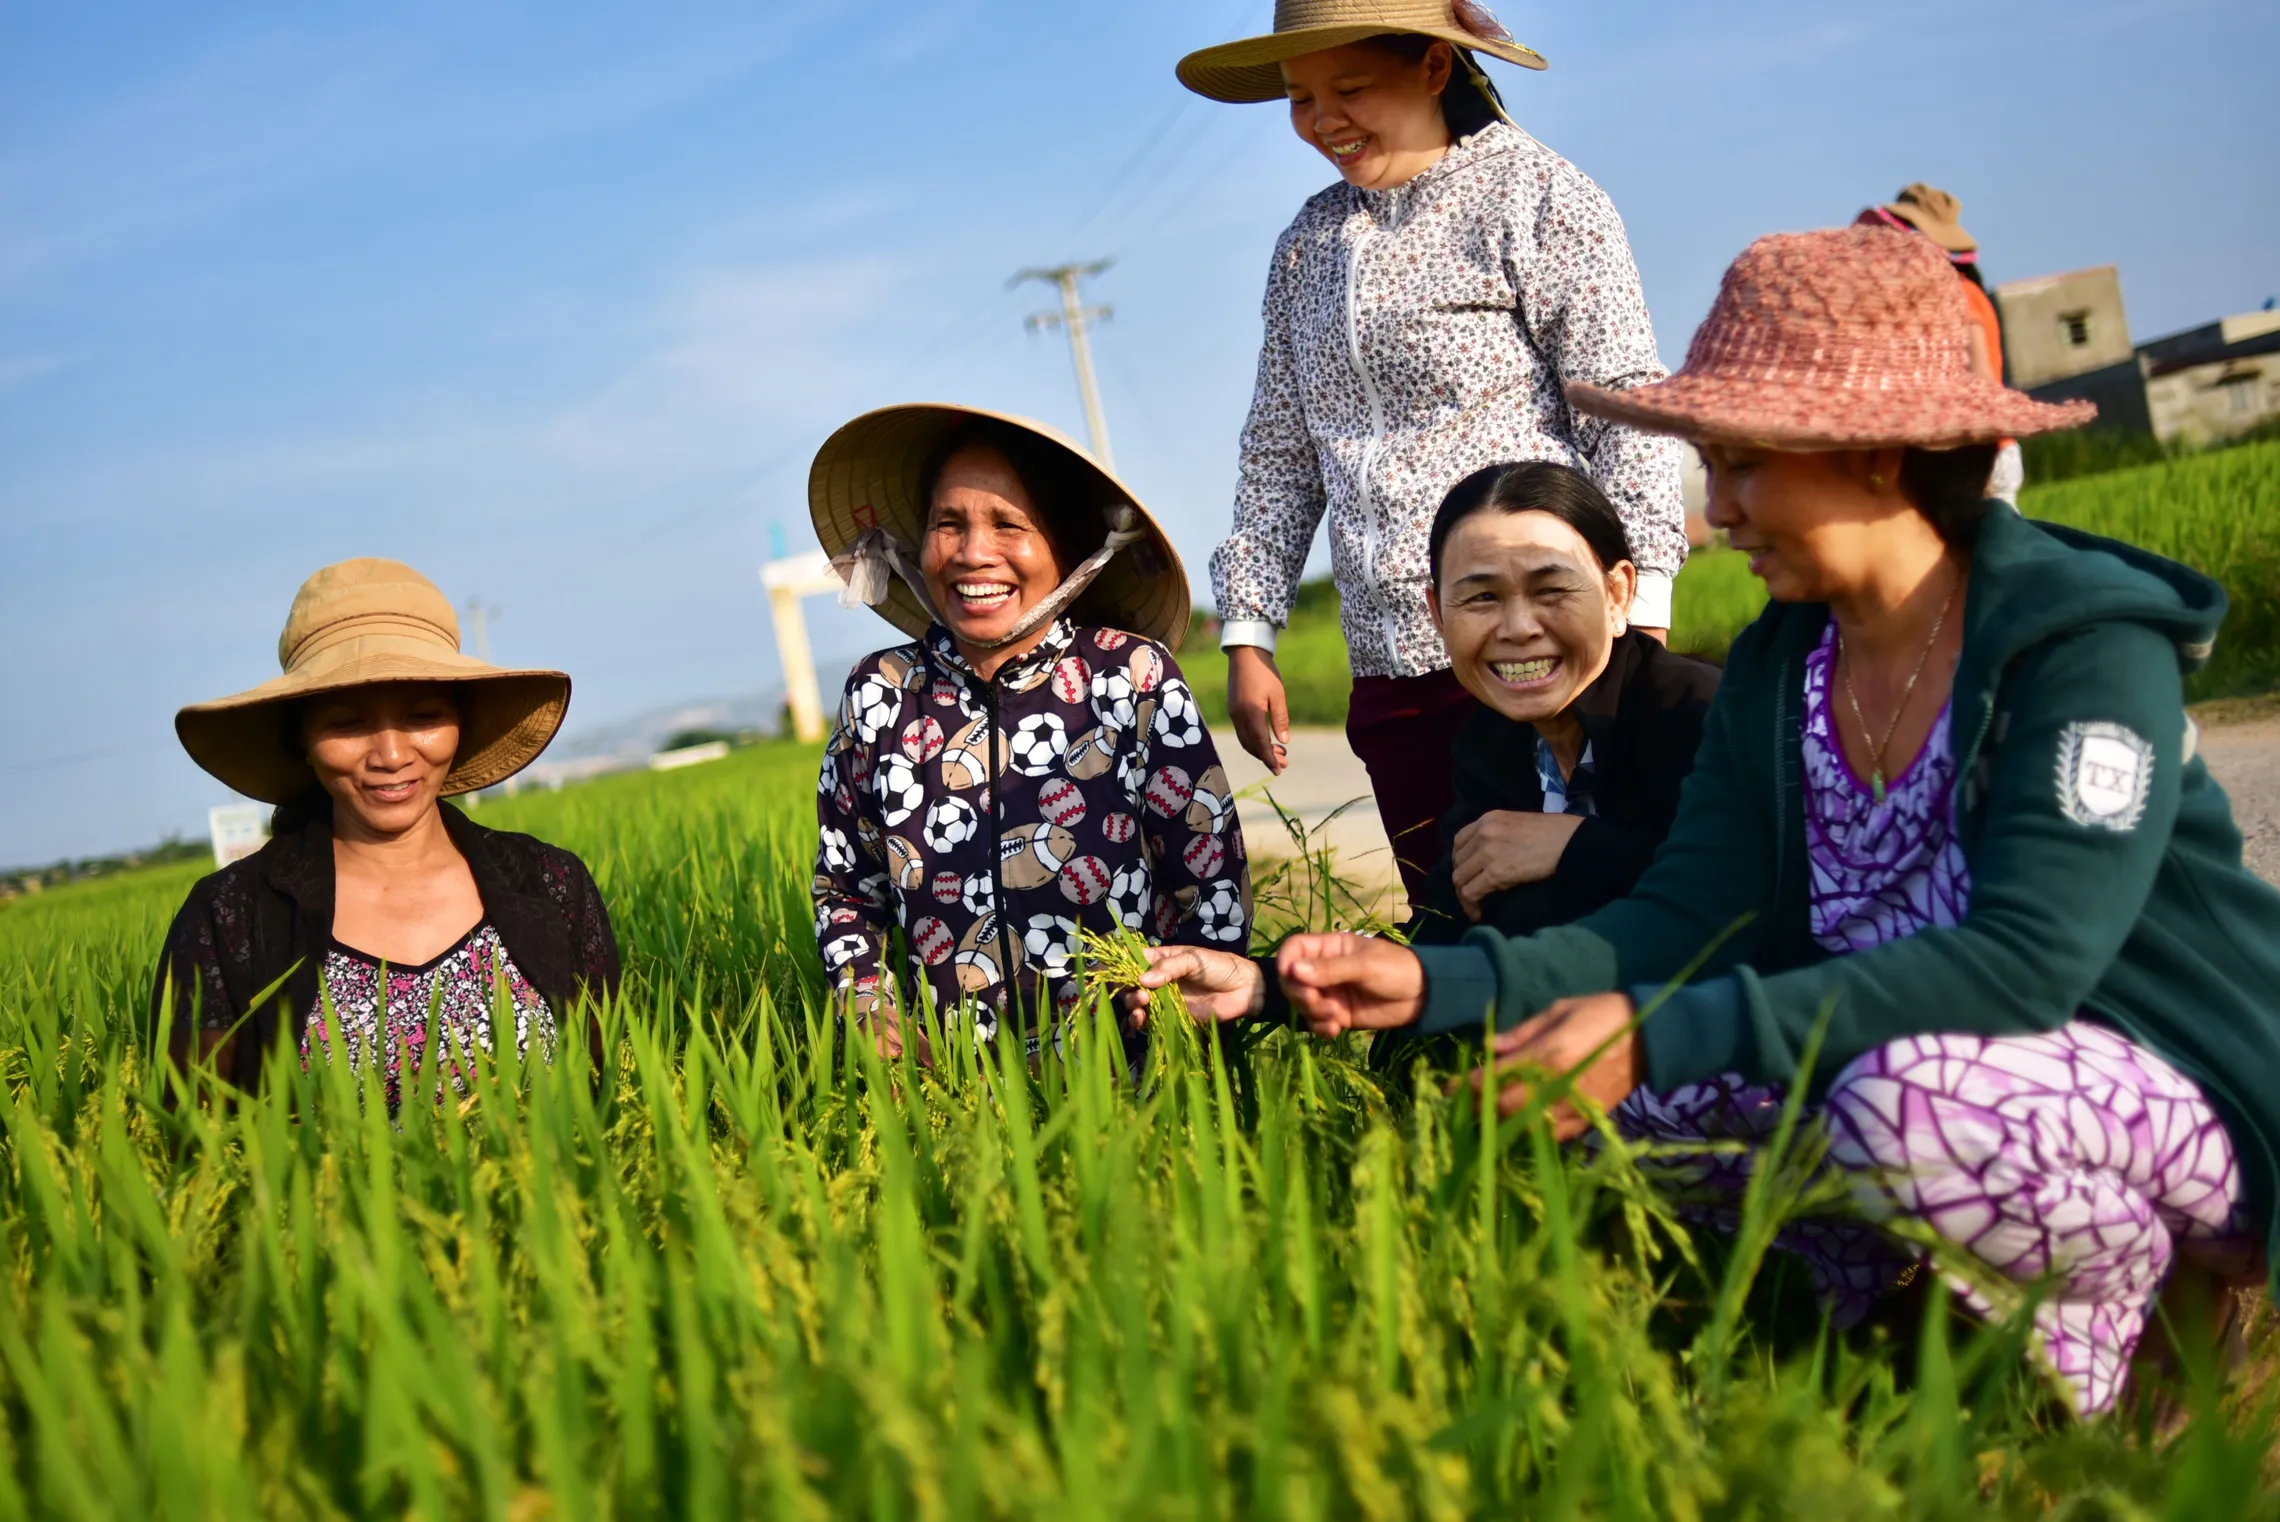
pixel 1855 338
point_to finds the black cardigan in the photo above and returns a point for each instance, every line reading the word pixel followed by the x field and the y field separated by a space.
pixel 1644 719
pixel 269 917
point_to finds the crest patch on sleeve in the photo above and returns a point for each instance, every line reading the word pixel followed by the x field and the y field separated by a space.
pixel 2104 773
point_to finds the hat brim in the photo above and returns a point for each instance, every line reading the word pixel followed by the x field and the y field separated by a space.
pixel 1781 413
pixel 867 475
pixel 1246 72
pixel 507 718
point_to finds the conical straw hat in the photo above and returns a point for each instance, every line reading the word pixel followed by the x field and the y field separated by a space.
pixel 867 475
pixel 1248 70
pixel 359 623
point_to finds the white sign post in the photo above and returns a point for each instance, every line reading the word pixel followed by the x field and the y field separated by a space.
pixel 788 581
pixel 239 830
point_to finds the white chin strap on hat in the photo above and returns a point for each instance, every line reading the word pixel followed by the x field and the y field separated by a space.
pixel 866 564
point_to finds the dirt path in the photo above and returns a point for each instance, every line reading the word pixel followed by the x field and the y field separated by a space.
pixel 1323 775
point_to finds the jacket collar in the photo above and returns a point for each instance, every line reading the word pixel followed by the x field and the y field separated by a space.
pixel 1463 156
pixel 1019 674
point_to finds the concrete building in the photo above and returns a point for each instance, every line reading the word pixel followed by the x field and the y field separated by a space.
pixel 2067 337
pixel 2057 327
pixel 2214 381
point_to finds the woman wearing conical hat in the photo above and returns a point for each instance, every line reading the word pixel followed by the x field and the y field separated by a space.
pixel 1423 315
pixel 1031 764
pixel 415 923
pixel 1947 855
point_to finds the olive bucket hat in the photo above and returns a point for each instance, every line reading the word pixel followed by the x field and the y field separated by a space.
pixel 866 496
pixel 357 624
pixel 1250 70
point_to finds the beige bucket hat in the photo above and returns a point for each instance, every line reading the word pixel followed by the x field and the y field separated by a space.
pixel 863 493
pixel 1247 71
pixel 1934 213
pixel 355 624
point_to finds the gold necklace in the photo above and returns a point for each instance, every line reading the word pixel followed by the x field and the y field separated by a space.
pixel 1876 761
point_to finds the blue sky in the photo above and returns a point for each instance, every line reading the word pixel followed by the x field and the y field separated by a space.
pixel 556 302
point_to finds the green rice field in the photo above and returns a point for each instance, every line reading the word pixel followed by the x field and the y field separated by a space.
pixel 748 1270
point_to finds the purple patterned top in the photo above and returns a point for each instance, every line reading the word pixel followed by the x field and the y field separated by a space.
pixel 1880 871
pixel 459 987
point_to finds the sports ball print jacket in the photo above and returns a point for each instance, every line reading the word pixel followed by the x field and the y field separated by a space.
pixel 1413 336
pixel 990 821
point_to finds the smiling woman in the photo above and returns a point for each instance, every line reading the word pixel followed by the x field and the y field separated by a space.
pixel 1422 316
pixel 1033 766
pixel 373 903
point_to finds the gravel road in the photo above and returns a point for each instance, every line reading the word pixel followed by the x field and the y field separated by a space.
pixel 2245 759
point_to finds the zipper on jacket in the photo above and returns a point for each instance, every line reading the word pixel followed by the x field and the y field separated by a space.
pixel 1009 968
pixel 1362 498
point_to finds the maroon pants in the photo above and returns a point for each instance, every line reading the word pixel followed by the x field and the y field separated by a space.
pixel 1404 728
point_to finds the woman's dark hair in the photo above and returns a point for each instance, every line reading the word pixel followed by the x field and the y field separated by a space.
pixel 1949 486
pixel 304 808
pixel 1068 497
pixel 1536 486
pixel 1469 103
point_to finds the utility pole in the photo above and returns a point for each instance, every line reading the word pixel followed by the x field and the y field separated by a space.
pixel 479 619
pixel 1073 316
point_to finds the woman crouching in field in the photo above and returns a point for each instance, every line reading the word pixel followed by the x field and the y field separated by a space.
pixel 1569 770
pixel 415 922
pixel 1949 796
pixel 1033 765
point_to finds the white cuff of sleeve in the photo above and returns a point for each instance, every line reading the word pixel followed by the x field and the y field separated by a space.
pixel 1650 604
pixel 1257 631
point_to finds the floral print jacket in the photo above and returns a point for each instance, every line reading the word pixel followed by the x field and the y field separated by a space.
pixel 990 821
pixel 1413 336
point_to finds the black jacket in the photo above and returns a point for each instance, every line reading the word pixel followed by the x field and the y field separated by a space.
pixel 1644 719
pixel 269 918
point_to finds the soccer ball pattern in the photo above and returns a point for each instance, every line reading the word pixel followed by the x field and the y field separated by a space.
pixel 950 823
pixel 1078 791
pixel 1131 894
pixel 1221 913
pixel 1037 745
pixel 900 792
pixel 1179 723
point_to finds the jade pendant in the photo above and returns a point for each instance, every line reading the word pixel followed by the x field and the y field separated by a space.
pixel 1876 785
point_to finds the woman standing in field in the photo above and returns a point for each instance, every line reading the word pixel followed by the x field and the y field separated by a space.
pixel 1947 821
pixel 1422 316
pixel 411 919
pixel 1033 765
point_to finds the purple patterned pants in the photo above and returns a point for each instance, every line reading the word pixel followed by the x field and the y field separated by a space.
pixel 2072 1158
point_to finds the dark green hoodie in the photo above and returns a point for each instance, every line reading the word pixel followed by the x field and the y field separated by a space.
pixel 2106 875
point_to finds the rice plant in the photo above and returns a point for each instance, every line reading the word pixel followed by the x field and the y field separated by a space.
pixel 750 1268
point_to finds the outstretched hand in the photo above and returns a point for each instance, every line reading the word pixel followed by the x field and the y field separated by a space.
pixel 1340 982
pixel 1217 985
pixel 1557 1042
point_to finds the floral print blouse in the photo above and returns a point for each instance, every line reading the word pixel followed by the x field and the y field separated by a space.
pixel 385 1009
pixel 988 822
pixel 1413 336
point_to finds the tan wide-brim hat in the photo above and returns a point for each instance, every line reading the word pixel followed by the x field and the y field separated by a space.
pixel 359 623
pixel 868 475
pixel 1248 70
pixel 1936 214
pixel 1857 338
